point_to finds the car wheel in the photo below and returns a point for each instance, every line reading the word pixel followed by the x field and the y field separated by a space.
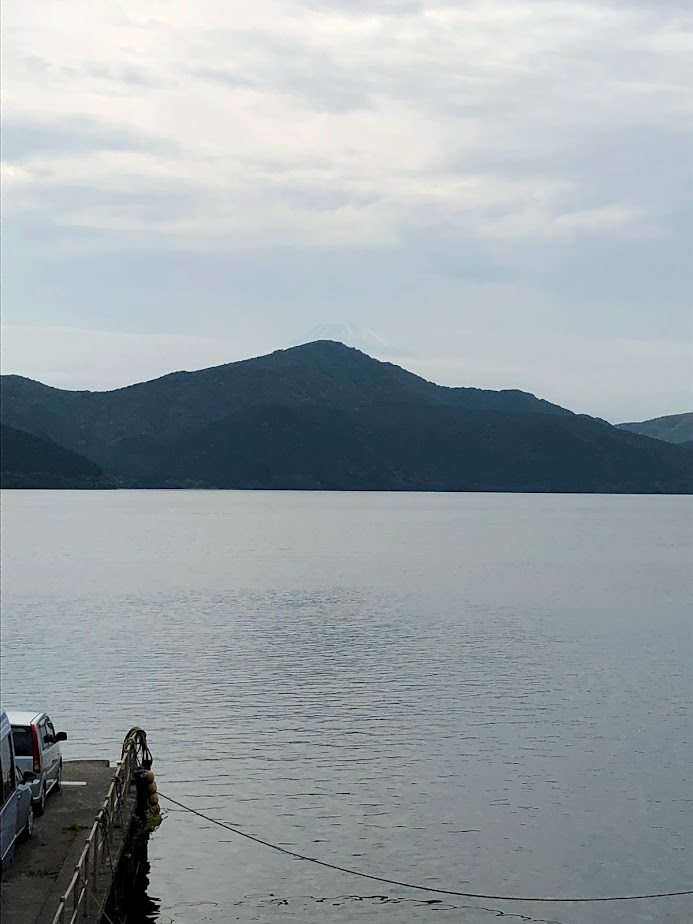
pixel 59 778
pixel 40 805
pixel 29 826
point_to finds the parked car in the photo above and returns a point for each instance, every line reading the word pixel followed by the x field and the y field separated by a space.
pixel 37 749
pixel 16 804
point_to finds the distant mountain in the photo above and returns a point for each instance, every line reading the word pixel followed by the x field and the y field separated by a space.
pixel 26 461
pixel 324 415
pixel 119 428
pixel 675 428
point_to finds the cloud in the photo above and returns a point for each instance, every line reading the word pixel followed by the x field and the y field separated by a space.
pixel 422 166
pixel 27 140
pixel 331 122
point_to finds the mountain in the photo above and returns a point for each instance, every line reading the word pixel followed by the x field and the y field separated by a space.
pixel 26 461
pixel 675 428
pixel 424 447
pixel 326 416
pixel 354 336
pixel 117 428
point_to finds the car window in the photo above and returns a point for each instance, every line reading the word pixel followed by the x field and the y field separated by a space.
pixel 42 732
pixel 50 730
pixel 8 780
pixel 22 740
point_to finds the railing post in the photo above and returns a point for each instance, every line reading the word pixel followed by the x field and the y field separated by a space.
pixel 95 860
pixel 120 789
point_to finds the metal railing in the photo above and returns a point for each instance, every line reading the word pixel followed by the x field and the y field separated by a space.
pixel 97 864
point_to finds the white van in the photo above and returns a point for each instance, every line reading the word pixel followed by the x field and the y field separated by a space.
pixel 16 808
pixel 37 748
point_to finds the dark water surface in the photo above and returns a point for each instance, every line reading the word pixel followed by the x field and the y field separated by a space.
pixel 480 692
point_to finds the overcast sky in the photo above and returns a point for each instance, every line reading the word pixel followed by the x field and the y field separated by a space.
pixel 499 190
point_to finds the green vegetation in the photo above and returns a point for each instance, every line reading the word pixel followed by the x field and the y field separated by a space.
pixel 674 428
pixel 152 820
pixel 142 829
pixel 389 447
pixel 325 416
pixel 27 461
pixel 123 430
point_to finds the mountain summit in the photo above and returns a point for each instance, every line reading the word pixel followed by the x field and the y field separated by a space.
pixel 354 336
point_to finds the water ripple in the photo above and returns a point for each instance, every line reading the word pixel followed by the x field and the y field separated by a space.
pixel 481 691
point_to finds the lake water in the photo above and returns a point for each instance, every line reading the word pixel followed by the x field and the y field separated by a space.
pixel 477 692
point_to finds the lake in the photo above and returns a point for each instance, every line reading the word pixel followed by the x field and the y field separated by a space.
pixel 478 692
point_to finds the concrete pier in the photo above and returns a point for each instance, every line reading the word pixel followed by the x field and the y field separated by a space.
pixel 89 849
pixel 43 866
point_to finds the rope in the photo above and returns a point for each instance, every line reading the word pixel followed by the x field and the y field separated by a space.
pixel 411 885
pixel 103 911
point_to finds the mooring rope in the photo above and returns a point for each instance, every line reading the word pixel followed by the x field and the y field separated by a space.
pixel 411 885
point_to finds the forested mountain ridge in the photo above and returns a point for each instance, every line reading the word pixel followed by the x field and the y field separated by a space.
pixel 322 372
pixel 27 461
pixel 324 415
pixel 674 428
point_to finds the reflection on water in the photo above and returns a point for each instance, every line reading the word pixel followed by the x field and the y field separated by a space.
pixel 137 905
pixel 358 907
pixel 478 692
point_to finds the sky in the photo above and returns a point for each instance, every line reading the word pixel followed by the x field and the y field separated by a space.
pixel 494 193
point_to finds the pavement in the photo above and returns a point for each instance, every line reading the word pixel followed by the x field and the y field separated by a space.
pixel 43 866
